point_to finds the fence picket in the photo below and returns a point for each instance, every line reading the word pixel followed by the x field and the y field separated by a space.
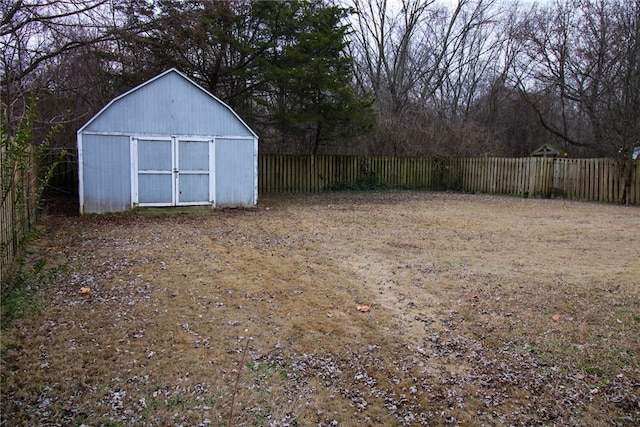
pixel 579 179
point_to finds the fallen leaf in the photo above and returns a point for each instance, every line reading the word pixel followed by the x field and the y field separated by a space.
pixel 555 317
pixel 364 308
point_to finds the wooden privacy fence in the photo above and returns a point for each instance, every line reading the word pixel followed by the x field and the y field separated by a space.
pixel 18 207
pixel 602 180
pixel 293 173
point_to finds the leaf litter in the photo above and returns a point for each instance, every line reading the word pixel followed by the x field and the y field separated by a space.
pixel 199 317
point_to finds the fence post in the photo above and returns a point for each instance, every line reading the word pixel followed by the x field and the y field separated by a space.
pixel 604 180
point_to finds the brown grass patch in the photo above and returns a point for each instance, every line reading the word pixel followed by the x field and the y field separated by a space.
pixel 484 311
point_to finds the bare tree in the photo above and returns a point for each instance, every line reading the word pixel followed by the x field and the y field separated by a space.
pixel 426 65
pixel 585 55
pixel 384 50
pixel 34 37
pixel 33 32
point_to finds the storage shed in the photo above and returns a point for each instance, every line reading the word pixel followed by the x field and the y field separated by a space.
pixel 549 150
pixel 166 142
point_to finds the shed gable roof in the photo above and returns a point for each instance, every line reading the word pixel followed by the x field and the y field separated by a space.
pixel 191 98
pixel 549 150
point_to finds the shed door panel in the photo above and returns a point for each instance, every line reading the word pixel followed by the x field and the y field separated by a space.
pixel 155 172
pixel 174 171
pixel 193 171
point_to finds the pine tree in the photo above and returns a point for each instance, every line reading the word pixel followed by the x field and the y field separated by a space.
pixel 310 76
pixel 283 66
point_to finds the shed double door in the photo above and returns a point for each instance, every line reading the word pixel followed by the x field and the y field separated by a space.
pixel 174 171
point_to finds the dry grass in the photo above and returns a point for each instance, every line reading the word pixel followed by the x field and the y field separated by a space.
pixel 189 312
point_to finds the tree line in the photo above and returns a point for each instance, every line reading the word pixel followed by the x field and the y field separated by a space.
pixel 370 77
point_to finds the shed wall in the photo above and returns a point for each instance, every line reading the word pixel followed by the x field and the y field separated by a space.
pixel 106 173
pixel 236 174
pixel 167 106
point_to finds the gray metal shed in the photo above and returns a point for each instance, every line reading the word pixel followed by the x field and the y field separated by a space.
pixel 166 142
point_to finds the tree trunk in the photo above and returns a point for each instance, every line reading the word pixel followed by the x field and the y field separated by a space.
pixel 316 142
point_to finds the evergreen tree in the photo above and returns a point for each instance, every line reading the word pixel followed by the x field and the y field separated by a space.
pixel 282 65
pixel 310 76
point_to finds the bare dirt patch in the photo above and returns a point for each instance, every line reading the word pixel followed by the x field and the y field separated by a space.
pixel 484 311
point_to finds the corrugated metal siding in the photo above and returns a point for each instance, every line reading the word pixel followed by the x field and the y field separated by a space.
pixel 235 170
pixel 106 173
pixel 168 106
pixel 172 108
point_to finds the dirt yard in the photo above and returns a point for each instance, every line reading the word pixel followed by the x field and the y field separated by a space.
pixel 390 308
